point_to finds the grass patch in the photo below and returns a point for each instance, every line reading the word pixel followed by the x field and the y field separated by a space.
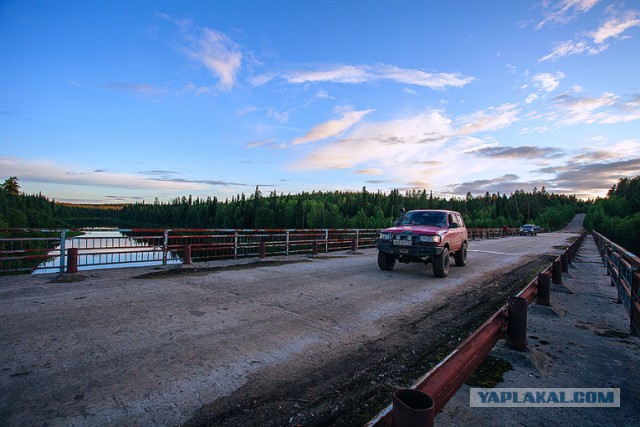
pixel 490 373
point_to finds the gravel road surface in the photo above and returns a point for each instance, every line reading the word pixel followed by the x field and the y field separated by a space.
pixel 152 345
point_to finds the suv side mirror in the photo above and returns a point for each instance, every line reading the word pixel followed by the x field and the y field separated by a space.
pixel 453 225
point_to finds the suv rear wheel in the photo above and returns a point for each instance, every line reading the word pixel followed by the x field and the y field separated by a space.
pixel 386 261
pixel 461 256
pixel 441 264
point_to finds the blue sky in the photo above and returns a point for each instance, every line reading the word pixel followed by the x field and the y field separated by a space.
pixel 123 101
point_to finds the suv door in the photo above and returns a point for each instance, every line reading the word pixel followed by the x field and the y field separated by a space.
pixel 456 239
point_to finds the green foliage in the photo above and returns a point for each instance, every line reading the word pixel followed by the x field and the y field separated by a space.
pixel 336 209
pixel 618 215
pixel 11 187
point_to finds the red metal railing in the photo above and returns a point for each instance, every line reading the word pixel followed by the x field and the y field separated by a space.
pixel 27 250
pixel 624 269
pixel 47 250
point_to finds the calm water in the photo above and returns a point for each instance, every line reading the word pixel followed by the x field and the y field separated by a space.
pixel 91 243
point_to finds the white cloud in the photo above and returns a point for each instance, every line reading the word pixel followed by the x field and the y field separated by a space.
pixel 493 119
pixel 607 108
pixel 403 141
pixel 532 97
pixel 47 172
pixel 614 27
pixel 562 11
pixel 571 47
pixel 357 74
pixel 548 82
pixel 332 128
pixel 219 54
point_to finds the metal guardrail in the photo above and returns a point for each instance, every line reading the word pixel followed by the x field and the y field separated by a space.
pixel 65 250
pixel 419 404
pixel 624 269
pixel 50 250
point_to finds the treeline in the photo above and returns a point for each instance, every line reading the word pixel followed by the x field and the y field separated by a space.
pixel 340 209
pixel 337 209
pixel 617 216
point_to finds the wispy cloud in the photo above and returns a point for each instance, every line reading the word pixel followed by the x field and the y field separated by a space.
pixel 548 82
pixel 371 171
pixel 571 47
pixel 387 142
pixel 219 54
pixel 523 152
pixel 492 119
pixel 332 128
pixel 213 49
pixel 608 108
pixel 592 179
pixel 595 41
pixel 358 74
pixel 51 172
pixel 615 26
pixel 13 114
pixel 562 11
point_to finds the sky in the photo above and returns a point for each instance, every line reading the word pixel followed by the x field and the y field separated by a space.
pixel 129 101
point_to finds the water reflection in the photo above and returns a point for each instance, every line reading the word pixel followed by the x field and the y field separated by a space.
pixel 110 249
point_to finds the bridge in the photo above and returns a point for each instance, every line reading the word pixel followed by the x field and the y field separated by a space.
pixel 300 339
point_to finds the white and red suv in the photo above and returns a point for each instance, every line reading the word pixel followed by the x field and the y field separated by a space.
pixel 428 236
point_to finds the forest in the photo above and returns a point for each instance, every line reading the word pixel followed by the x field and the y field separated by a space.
pixel 617 216
pixel 317 209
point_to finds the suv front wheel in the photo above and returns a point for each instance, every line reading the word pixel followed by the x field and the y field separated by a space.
pixel 386 261
pixel 441 264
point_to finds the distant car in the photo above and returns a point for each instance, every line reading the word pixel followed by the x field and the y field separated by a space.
pixel 529 229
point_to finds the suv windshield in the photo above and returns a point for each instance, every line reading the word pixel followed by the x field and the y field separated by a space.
pixel 437 219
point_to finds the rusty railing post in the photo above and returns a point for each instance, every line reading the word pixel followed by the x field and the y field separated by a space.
pixel 72 260
pixel 165 246
pixel 544 290
pixel 314 247
pixel 564 258
pixel 412 408
pixel 556 272
pixel 63 242
pixel 517 323
pixel 186 254
pixel 263 249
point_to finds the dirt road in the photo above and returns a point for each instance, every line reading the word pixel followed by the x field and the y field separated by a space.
pixel 150 346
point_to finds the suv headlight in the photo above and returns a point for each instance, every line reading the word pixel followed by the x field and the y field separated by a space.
pixel 430 239
pixel 385 236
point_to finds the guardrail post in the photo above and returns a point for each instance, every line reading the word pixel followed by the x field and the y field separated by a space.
pixel 263 249
pixel 288 240
pixel 326 241
pixel 314 247
pixel 72 261
pixel 544 290
pixel 235 244
pixel 564 258
pixel 186 254
pixel 556 272
pixel 412 408
pixel 517 323
pixel 63 240
pixel 354 244
pixel 165 246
